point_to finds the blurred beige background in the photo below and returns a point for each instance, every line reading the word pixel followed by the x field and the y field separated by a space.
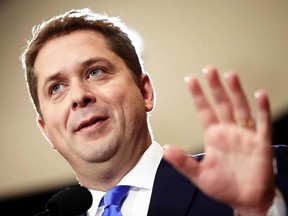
pixel 180 37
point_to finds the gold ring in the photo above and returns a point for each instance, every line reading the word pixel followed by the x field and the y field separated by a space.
pixel 249 123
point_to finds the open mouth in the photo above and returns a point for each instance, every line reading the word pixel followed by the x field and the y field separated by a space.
pixel 91 122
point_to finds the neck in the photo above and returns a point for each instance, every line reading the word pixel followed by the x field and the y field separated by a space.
pixel 105 175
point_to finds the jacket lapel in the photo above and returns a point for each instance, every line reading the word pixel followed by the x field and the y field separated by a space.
pixel 172 193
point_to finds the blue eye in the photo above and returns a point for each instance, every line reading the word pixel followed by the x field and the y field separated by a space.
pixel 55 88
pixel 95 72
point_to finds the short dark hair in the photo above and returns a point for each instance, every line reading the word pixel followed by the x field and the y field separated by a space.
pixel 112 28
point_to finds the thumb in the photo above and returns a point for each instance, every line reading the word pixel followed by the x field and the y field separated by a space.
pixel 183 163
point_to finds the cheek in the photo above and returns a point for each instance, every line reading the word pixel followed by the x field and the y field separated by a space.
pixel 133 105
pixel 55 120
pixel 123 101
pixel 127 97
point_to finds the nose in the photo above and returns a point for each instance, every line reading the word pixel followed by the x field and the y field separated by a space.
pixel 81 96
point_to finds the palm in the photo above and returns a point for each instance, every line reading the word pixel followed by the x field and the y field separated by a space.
pixel 229 172
pixel 237 167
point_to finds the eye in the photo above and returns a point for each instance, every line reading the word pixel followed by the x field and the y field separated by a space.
pixel 96 72
pixel 55 88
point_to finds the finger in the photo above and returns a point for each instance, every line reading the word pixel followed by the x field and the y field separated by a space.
pixel 264 116
pixel 241 109
pixel 183 163
pixel 204 111
pixel 222 102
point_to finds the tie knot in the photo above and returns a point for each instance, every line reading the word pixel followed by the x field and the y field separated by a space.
pixel 115 196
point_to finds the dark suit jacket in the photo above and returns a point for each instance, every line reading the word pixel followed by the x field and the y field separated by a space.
pixel 174 195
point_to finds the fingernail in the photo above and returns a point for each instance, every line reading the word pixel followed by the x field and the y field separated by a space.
pixel 187 78
pixel 225 75
pixel 205 70
pixel 257 94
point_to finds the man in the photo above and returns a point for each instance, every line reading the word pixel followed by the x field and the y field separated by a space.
pixel 93 101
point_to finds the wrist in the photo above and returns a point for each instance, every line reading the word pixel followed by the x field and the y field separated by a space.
pixel 277 207
pixel 251 212
pixel 259 209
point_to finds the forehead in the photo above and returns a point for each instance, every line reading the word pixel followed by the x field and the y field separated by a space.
pixel 73 46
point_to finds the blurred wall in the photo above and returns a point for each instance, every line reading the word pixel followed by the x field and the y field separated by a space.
pixel 180 37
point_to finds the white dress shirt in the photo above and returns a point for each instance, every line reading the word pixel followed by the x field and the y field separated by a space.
pixel 141 179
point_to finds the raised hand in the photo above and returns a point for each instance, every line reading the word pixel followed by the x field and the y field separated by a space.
pixel 237 168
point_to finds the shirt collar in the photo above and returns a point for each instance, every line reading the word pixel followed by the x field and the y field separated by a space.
pixel 141 176
pixel 143 173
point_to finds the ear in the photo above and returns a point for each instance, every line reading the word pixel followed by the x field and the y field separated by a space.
pixel 147 91
pixel 42 126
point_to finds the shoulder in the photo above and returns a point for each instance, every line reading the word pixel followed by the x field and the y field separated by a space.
pixel 281 169
pixel 279 151
pixel 280 148
pixel 281 156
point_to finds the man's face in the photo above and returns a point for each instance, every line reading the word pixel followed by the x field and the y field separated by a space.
pixel 92 108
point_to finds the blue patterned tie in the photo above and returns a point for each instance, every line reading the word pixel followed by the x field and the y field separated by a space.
pixel 113 200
